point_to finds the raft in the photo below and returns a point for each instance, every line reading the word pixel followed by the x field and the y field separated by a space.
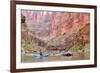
pixel 40 56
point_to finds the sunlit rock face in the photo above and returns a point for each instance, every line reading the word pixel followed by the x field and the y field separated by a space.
pixel 50 24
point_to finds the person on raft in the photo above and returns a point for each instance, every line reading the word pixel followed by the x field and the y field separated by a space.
pixel 41 54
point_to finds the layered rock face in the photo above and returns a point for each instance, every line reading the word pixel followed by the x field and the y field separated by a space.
pixel 53 24
pixel 57 27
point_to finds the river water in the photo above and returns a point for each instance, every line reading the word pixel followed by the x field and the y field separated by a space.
pixel 76 56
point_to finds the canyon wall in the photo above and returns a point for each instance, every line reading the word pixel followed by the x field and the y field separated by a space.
pixel 53 24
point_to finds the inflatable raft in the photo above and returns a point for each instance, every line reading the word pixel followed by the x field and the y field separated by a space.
pixel 40 56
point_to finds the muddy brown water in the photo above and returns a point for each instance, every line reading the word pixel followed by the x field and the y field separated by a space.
pixel 76 56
